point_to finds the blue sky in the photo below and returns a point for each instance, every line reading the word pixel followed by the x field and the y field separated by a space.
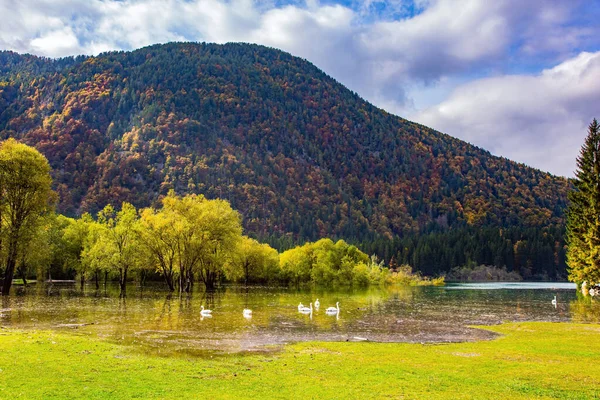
pixel 520 78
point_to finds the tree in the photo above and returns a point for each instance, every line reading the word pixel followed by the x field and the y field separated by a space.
pixel 323 262
pixel 253 262
pixel 583 214
pixel 159 233
pixel 190 235
pixel 75 236
pixel 215 231
pixel 46 250
pixel 25 196
pixel 116 246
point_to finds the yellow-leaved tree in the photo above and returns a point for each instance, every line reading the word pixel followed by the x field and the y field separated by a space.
pixel 25 196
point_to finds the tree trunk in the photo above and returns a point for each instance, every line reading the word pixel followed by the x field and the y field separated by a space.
pixel 169 281
pixel 210 281
pixel 23 270
pixel 10 269
pixel 82 280
pixel 96 279
pixel 123 281
pixel 23 276
pixel 105 277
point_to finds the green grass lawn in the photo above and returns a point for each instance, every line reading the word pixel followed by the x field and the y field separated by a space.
pixel 530 360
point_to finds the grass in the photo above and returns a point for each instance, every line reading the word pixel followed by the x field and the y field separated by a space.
pixel 529 360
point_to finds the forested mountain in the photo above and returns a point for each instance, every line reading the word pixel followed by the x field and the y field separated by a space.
pixel 298 154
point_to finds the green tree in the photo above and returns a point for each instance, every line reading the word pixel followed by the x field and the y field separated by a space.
pixel 296 264
pixel 217 230
pixel 116 246
pixel 190 235
pixel 323 262
pixel 158 233
pixel 75 237
pixel 25 196
pixel 583 222
pixel 92 258
pixel 253 262
pixel 46 251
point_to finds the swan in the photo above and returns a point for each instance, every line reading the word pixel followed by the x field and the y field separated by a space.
pixel 332 310
pixel 300 306
pixel 554 301
pixel 317 304
pixel 306 310
pixel 247 311
pixel 205 312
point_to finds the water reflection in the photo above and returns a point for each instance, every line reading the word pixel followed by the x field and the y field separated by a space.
pixel 584 309
pixel 163 322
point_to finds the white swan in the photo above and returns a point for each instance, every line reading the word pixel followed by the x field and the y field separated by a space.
pixel 554 302
pixel 306 310
pixel 300 306
pixel 333 310
pixel 247 311
pixel 317 304
pixel 205 312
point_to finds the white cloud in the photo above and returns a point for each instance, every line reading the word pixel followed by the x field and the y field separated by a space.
pixel 399 54
pixel 446 37
pixel 60 41
pixel 538 119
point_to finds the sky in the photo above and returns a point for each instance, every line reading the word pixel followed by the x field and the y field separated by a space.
pixel 520 78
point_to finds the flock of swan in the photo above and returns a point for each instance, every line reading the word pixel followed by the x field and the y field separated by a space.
pixel 302 309
pixel 329 311
pixel 247 313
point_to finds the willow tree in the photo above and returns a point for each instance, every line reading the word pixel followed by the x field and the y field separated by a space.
pixel 190 236
pixel 115 245
pixel 25 196
pixel 583 214
pixel 160 232
pixel 253 262
pixel 76 234
pixel 211 231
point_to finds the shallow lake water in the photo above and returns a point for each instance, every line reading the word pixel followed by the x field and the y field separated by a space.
pixel 154 320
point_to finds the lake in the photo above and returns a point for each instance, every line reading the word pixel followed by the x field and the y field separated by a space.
pixel 153 320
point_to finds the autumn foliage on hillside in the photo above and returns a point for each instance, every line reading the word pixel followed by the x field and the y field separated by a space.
pixel 298 154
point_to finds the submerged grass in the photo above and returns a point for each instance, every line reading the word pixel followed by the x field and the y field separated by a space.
pixel 529 360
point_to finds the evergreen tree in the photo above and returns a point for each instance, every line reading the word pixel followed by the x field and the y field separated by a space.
pixel 583 223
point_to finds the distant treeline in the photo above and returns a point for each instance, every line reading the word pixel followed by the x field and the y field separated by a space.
pixel 533 253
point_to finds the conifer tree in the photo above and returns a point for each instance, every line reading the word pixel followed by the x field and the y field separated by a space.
pixel 583 214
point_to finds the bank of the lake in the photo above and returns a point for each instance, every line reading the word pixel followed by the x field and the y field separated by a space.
pixel 529 360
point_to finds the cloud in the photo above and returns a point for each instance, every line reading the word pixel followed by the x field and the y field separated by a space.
pixel 59 41
pixel 402 55
pixel 537 119
pixel 378 48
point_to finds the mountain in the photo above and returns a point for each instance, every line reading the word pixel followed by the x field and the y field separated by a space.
pixel 299 155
